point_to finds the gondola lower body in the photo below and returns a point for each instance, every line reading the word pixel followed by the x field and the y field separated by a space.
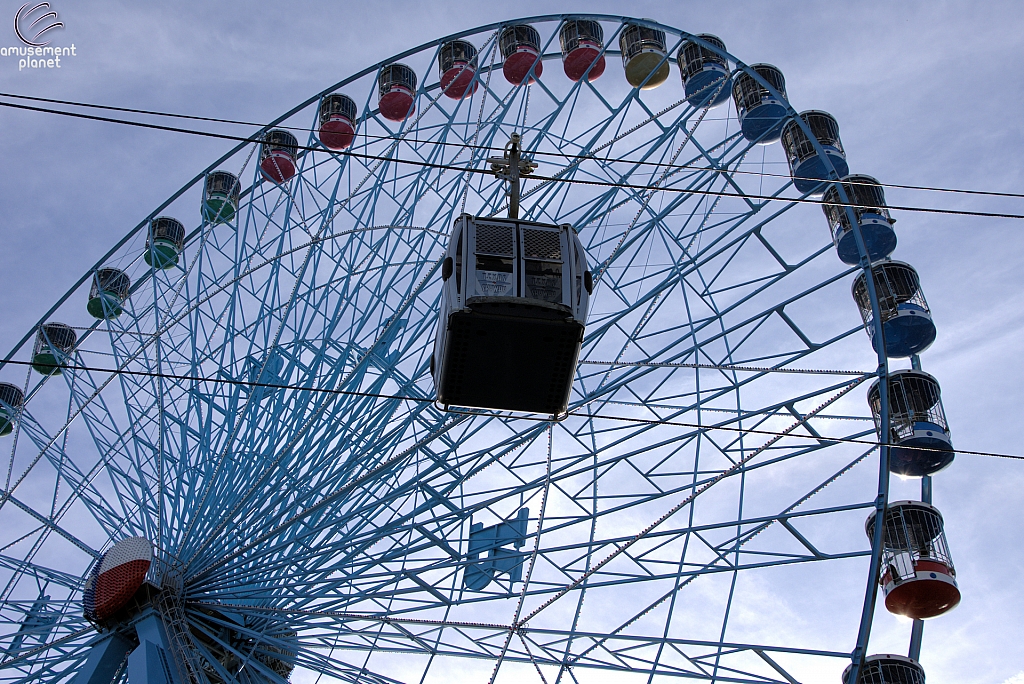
pixel 879 238
pixel 505 354
pixel 930 592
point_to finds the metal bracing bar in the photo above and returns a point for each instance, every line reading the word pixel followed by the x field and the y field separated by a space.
pixel 511 168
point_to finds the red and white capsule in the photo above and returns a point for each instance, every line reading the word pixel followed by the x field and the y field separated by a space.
pixel 116 578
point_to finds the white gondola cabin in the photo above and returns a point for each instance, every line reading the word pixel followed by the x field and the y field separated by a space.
pixel 760 111
pixel 886 669
pixel 806 166
pixel 867 202
pixel 918 431
pixel 917 573
pixel 906 319
pixel 513 310
pixel 11 401
pixel 110 289
pixel 456 62
pixel 582 42
pixel 705 72
pixel 165 241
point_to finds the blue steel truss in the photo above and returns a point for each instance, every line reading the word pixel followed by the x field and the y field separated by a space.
pixel 329 522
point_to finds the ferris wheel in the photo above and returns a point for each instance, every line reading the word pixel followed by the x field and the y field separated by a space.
pixel 258 443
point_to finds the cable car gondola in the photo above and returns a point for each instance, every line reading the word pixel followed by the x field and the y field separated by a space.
pixel 513 310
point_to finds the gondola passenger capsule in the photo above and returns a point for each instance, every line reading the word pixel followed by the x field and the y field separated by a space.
pixel 886 669
pixel 807 168
pixel 705 72
pixel 396 85
pixel 582 42
pixel 919 433
pixel 917 573
pixel 278 155
pixel 338 114
pixel 54 344
pixel 165 242
pixel 906 319
pixel 520 48
pixel 644 56
pixel 221 193
pixel 11 401
pixel 868 206
pixel 760 112
pixel 513 309
pixel 110 288
pixel 456 61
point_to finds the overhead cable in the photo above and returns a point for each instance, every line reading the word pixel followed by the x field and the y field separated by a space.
pixel 575 181
pixel 577 413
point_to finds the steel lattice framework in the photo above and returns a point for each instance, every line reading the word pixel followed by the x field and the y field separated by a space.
pixel 669 531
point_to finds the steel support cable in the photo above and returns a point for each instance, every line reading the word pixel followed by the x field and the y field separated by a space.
pixel 560 155
pixel 513 628
pixel 563 474
pixel 623 364
pixel 420 286
pixel 578 181
pixel 645 203
pixel 363 513
pixel 727 367
pixel 573 413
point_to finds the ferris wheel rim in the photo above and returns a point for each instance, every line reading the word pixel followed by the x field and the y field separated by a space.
pixel 361 74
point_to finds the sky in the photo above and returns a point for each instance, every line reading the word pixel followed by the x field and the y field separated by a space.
pixel 926 93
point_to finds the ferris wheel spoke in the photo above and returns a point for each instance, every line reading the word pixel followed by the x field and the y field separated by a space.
pixel 82 487
pixel 48 660
pixel 730 523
